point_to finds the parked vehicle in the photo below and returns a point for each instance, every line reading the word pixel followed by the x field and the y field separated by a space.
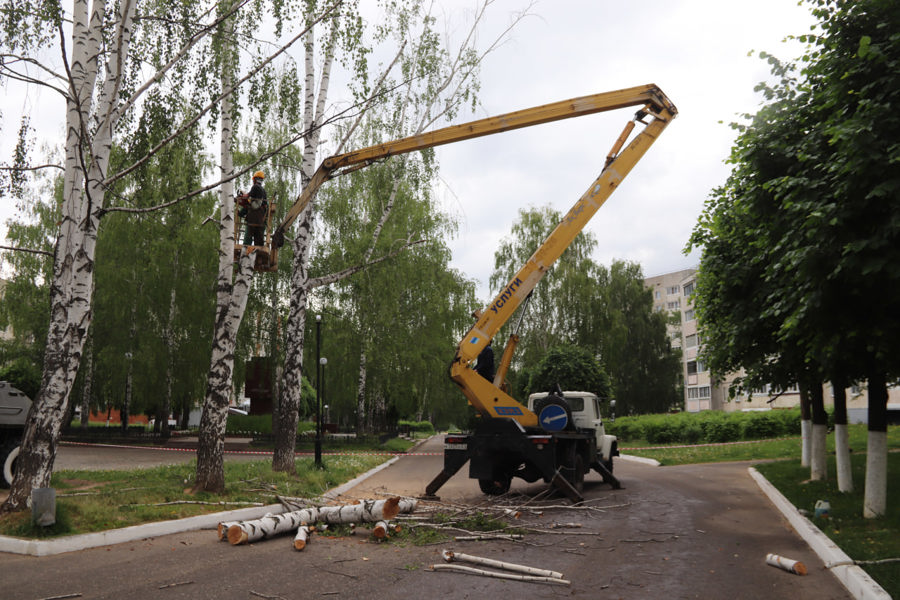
pixel 14 406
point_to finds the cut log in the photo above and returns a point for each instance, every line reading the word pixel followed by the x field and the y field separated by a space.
pixel 473 571
pixel 245 532
pixel 301 537
pixel 222 529
pixel 786 564
pixel 380 531
pixel 497 564
pixel 366 511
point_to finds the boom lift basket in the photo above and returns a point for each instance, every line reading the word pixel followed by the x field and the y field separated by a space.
pixel 267 254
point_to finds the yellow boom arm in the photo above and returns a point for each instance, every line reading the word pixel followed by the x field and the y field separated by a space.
pixel 486 397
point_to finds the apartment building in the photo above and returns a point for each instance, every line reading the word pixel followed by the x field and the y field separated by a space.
pixel 706 391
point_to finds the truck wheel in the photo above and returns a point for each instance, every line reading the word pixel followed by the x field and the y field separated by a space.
pixel 575 474
pixel 495 487
pixel 9 452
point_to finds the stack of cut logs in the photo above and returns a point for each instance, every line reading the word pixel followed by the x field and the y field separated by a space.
pixel 304 521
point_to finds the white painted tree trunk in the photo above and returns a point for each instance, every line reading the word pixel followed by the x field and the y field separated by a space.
pixel 805 441
pixel 818 453
pixel 842 457
pixel 875 501
pixel 72 282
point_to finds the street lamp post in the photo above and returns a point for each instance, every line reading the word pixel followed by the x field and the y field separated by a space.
pixel 320 395
pixel 318 448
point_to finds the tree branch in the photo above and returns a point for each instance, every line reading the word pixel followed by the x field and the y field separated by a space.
pixel 315 282
pixel 27 250
pixel 191 122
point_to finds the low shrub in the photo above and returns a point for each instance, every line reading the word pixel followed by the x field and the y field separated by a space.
pixel 419 426
pixel 706 427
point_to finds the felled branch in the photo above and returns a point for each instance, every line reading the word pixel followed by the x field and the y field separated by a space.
pixel 462 569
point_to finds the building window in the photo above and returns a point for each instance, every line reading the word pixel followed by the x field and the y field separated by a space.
pixel 698 393
pixel 657 294
pixel 690 341
pixel 692 367
pixel 689 314
pixel 674 305
pixel 701 366
pixel 671 291
pixel 688 289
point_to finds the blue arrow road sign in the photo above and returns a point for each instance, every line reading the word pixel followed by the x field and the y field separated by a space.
pixel 553 417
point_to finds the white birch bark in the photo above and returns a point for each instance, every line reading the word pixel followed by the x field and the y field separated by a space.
pixel 269 526
pixel 361 422
pixel 842 457
pixel 818 453
pixel 450 556
pixel 875 500
pixel 499 575
pixel 301 538
pixel 71 286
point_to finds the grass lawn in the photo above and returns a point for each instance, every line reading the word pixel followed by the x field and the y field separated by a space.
pixel 90 501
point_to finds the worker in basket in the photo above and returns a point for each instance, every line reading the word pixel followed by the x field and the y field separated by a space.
pixel 254 208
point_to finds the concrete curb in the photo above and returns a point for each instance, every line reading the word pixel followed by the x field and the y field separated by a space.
pixel 139 532
pixel 854 578
pixel 640 459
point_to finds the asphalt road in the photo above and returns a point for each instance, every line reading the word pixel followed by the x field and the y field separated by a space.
pixel 699 531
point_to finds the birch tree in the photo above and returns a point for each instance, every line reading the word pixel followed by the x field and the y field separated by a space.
pixel 101 84
pixel 434 83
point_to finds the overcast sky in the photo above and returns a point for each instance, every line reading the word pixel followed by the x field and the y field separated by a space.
pixel 695 50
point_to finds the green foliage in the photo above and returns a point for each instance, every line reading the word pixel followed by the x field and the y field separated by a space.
pixel 572 369
pixel 801 244
pixel 238 424
pixel 707 426
pixel 24 375
pixel 421 426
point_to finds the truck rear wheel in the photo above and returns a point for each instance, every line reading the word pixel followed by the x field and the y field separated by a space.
pixel 576 473
pixel 496 486
pixel 9 453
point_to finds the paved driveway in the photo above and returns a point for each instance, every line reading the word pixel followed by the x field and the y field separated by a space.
pixel 699 531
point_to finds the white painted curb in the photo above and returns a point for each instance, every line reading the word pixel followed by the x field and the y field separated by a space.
pixel 640 459
pixel 139 532
pixel 854 578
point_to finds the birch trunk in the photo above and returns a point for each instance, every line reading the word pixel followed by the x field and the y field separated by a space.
pixel 231 302
pixel 301 538
pixel 72 281
pixel 269 526
pixel 361 425
pixel 292 375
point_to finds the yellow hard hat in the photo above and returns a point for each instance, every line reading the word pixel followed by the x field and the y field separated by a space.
pixel 259 175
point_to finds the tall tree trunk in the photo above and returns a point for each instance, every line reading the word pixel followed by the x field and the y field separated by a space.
pixel 361 426
pixel 805 426
pixel 231 301
pixel 129 375
pixel 88 382
pixel 72 282
pixel 171 350
pixel 842 437
pixel 875 499
pixel 292 375
pixel 818 455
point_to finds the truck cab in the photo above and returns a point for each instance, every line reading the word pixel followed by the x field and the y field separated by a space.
pixel 585 414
